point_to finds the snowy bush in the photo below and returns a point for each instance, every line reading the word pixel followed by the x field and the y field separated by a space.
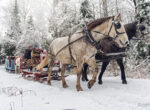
pixel 9 49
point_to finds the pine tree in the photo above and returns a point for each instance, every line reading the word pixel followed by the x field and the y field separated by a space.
pixel 85 10
pixel 86 14
pixel 9 49
pixel 143 11
pixel 13 33
pixel 143 15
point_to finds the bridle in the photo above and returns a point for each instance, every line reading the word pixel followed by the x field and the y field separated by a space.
pixel 139 29
pixel 95 43
pixel 116 26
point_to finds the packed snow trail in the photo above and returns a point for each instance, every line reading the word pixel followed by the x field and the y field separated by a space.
pixel 112 95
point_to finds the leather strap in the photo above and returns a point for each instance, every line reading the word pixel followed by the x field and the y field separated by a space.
pixel 69 46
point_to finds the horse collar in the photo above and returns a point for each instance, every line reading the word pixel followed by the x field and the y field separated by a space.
pixel 91 40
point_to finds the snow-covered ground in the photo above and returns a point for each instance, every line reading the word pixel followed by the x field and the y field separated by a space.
pixel 112 95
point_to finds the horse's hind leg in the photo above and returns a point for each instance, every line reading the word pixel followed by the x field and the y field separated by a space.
pixel 78 86
pixel 64 84
pixel 50 72
pixel 78 72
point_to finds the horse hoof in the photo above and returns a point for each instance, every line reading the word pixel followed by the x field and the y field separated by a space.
pixel 89 86
pixel 48 83
pixel 65 86
pixel 124 82
pixel 83 79
pixel 91 83
pixel 79 88
pixel 100 82
pixel 86 79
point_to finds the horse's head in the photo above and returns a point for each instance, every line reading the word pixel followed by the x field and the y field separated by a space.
pixel 117 31
pixel 141 28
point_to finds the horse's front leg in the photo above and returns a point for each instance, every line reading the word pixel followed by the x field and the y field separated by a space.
pixel 93 80
pixel 104 65
pixel 121 65
pixel 64 84
pixel 78 86
pixel 84 72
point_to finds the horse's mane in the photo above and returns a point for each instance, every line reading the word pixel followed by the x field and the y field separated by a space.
pixel 98 22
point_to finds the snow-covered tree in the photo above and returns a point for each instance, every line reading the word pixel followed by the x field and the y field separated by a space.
pixel 13 32
pixel 28 37
pixel 9 49
pixel 143 16
pixel 85 10
pixel 105 8
pixel 143 11
pixel 65 21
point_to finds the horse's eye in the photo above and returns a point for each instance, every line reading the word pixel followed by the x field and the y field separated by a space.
pixel 118 25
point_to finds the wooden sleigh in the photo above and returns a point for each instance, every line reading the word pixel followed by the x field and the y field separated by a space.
pixel 9 64
pixel 41 75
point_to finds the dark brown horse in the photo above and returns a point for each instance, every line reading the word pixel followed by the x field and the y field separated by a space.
pixel 110 47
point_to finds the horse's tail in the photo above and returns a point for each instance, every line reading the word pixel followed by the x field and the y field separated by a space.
pixel 43 63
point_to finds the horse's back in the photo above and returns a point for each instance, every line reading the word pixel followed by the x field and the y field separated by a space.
pixel 58 44
pixel 62 42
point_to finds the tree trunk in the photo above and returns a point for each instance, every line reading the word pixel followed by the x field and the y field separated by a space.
pixel 134 1
pixel 100 9
pixel 117 10
pixel 105 9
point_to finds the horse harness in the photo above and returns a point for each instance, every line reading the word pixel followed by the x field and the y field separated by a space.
pixel 90 38
pixel 69 44
pixel 97 44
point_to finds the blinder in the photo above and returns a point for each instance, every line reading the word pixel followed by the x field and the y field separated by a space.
pixel 142 28
pixel 118 25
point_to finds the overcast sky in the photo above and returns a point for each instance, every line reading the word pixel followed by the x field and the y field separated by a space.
pixel 40 9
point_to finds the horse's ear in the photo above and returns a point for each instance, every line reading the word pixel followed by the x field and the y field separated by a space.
pixel 141 20
pixel 118 17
